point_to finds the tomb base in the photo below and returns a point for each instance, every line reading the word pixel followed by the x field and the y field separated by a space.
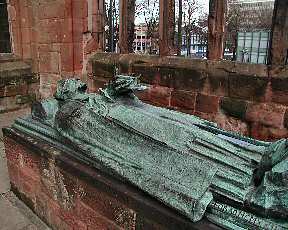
pixel 67 193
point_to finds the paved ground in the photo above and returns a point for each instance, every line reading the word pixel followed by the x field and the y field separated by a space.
pixel 14 214
pixel 6 119
pixel 4 178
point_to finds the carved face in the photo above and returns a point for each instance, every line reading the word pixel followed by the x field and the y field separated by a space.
pixel 69 89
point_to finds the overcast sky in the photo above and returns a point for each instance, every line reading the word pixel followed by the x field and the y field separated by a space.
pixel 204 4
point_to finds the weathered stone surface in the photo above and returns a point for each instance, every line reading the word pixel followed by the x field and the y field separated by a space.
pixel 233 107
pixel 107 206
pixel 262 132
pixel 189 79
pixel 13 90
pixel 232 124
pixel 24 99
pixel 159 95
pixel 9 104
pixel 104 65
pixel 218 78
pixel 2 90
pixel 150 75
pixel 183 99
pixel 95 84
pixel 180 79
pixel 286 119
pixel 92 218
pixel 207 103
pixel 247 87
pixel 266 114
pixel 18 88
pixel 4 57
pixel 279 87
pixel 13 72
pixel 98 23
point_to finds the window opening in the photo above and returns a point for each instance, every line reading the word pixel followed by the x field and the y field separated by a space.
pixel 5 46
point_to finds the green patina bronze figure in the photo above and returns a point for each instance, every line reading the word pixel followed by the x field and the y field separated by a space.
pixel 185 162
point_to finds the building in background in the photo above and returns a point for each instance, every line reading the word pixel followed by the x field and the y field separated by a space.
pixel 253 47
pixel 198 46
pixel 248 30
pixel 253 14
pixel 141 43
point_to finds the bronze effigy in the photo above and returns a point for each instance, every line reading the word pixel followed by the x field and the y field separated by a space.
pixel 185 162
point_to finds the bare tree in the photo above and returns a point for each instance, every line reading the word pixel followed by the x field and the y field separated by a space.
pixel 179 32
pixel 201 29
pixel 112 23
pixel 234 18
pixel 148 10
pixel 189 8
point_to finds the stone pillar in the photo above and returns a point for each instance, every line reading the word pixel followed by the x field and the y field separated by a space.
pixel 98 21
pixel 126 32
pixel 166 27
pixel 279 37
pixel 216 29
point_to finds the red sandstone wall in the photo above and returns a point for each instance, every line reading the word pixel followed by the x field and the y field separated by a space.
pixel 244 98
pixel 58 197
pixel 54 35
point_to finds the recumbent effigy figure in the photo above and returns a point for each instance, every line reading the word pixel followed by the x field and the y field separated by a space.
pixel 185 162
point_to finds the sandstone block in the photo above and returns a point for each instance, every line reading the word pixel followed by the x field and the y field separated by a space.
pixel 67 59
pixel 160 96
pixel 207 103
pixel 279 87
pixel 247 87
pixel 52 30
pixel 233 107
pixel 54 9
pixel 13 90
pixel 78 56
pixel 108 207
pixel 261 132
pixel 183 99
pixel 232 124
pixel 266 114
pixel 286 119
pixel 26 35
pixel 92 219
pixel 49 62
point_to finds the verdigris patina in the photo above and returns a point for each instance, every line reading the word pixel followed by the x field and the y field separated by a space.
pixel 186 162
